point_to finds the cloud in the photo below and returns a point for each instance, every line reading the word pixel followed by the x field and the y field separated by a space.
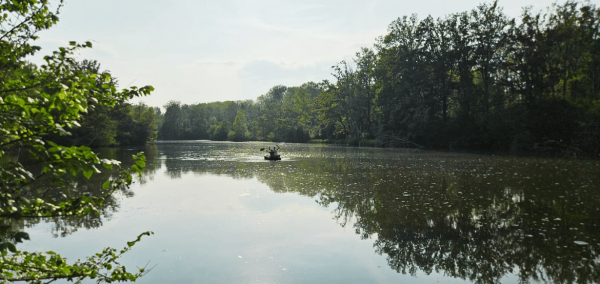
pixel 265 70
pixel 218 63
pixel 258 76
pixel 200 51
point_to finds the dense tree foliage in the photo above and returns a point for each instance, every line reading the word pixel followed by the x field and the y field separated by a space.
pixel 124 124
pixel 479 80
pixel 282 114
pixel 472 80
pixel 39 105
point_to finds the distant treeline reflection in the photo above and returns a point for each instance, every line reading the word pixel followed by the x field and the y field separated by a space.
pixel 470 217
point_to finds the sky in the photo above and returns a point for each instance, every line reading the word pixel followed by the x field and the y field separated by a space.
pixel 197 51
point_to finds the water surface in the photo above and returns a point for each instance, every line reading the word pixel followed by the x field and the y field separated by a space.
pixel 328 214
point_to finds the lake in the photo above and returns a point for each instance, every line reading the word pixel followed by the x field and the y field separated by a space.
pixel 330 214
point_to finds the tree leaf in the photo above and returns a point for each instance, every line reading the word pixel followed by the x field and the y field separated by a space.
pixel 11 247
pixel 140 163
pixel 88 173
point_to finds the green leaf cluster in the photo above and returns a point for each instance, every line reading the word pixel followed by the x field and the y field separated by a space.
pixel 38 102
pixel 37 267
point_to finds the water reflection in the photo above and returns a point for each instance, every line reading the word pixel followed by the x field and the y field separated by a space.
pixel 472 217
pixel 76 187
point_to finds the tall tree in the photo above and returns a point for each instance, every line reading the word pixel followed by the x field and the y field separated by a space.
pixel 240 129
pixel 172 126
pixel 489 29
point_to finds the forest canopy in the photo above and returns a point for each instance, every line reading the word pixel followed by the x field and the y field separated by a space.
pixel 475 80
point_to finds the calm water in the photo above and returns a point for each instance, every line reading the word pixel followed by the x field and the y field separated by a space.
pixel 324 214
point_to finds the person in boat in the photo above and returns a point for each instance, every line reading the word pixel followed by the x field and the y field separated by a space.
pixel 272 152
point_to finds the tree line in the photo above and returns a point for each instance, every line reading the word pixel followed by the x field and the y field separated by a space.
pixel 103 126
pixel 472 80
pixel 282 114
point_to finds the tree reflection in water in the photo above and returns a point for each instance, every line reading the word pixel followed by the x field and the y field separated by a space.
pixel 479 218
pixel 472 217
pixel 77 186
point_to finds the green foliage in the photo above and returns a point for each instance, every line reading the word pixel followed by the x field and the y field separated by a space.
pixel 136 124
pixel 479 80
pixel 172 122
pixel 472 80
pixel 221 131
pixel 106 125
pixel 279 115
pixel 37 103
pixel 240 130
pixel 35 267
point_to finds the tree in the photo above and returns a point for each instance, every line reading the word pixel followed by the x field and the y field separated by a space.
pixel 270 105
pixel 172 125
pixel 34 103
pixel 240 129
pixel 145 117
pixel 330 109
pixel 489 30
pixel 105 126
pixel 475 79
pixel 220 131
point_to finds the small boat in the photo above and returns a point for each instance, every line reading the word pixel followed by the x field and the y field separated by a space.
pixel 273 157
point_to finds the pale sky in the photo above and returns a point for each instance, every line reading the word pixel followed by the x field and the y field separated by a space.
pixel 204 51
